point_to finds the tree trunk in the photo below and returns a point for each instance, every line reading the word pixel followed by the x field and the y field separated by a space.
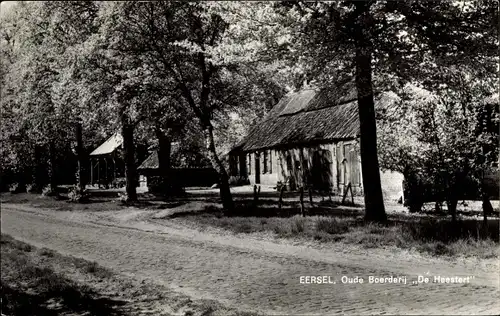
pixel 374 202
pixel 164 151
pixel 80 176
pixel 225 192
pixel 452 208
pixel 38 180
pixel 487 207
pixel 130 167
pixel 52 166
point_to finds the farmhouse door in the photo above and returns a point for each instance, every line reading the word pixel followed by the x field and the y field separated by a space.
pixel 321 173
pixel 257 168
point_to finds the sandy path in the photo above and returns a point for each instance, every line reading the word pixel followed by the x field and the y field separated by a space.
pixel 253 274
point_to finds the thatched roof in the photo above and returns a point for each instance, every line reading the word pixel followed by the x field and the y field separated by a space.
pixel 109 146
pixel 152 161
pixel 304 117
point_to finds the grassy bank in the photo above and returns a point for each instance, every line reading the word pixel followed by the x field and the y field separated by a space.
pixel 31 287
pixel 43 282
pixel 426 235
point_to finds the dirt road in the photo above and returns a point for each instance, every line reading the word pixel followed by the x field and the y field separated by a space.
pixel 255 275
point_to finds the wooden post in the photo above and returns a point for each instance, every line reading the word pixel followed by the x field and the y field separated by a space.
pixel 302 201
pixel 311 197
pixel 106 174
pixel 255 195
pixel 91 173
pixel 345 193
pixel 98 173
pixel 280 201
pixel 114 168
pixel 352 194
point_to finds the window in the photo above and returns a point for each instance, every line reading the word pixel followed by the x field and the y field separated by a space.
pixel 265 162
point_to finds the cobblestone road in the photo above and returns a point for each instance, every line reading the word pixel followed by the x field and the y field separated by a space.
pixel 248 279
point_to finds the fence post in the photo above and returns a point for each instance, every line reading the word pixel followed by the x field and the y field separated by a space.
pixel 302 201
pixel 280 201
pixel 256 195
pixel 345 193
pixel 352 194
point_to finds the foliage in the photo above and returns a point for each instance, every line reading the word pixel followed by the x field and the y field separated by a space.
pixel 15 188
pixel 38 98
pixel 119 182
pixel 77 195
pixel 445 141
pixel 331 226
pixel 49 191
pixel 202 73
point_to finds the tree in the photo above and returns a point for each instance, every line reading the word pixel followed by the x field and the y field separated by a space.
pixel 46 35
pixel 443 141
pixel 184 42
pixel 29 82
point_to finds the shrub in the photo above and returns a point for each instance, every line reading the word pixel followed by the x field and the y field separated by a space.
pixel 48 191
pixel 119 183
pixel 77 195
pixel 122 197
pixel 15 188
pixel 30 188
pixel 331 226
pixel 238 180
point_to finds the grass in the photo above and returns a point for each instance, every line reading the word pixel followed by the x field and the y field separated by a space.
pixel 437 237
pixel 49 202
pixel 31 288
pixel 331 225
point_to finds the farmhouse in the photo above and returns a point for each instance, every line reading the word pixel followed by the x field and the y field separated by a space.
pixel 310 139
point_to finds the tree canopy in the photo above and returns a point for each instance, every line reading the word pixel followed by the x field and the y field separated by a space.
pixel 214 68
